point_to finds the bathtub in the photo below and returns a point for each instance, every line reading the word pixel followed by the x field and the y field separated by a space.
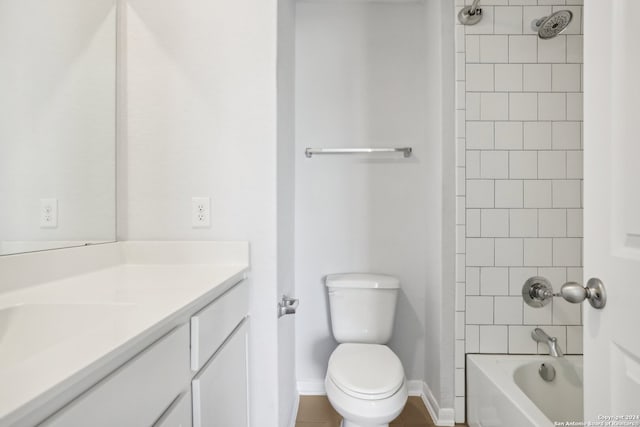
pixel 507 391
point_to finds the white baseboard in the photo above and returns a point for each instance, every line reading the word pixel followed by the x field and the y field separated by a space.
pixel 414 387
pixel 311 388
pixel 294 411
pixel 440 416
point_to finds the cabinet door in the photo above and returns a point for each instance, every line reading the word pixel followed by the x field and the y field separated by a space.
pixel 220 389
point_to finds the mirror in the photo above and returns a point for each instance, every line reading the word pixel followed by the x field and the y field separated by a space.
pixel 57 123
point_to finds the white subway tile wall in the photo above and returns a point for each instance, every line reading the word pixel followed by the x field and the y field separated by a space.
pixel 509 193
pixel 493 339
pixel 537 77
pixel 519 163
pixel 508 135
pixel 509 252
pixel 537 135
pixel 494 281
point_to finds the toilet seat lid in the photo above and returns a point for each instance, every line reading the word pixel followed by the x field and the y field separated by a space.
pixel 366 371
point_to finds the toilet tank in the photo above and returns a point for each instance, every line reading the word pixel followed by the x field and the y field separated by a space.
pixel 362 306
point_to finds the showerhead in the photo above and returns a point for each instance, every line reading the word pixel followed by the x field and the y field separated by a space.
pixel 550 26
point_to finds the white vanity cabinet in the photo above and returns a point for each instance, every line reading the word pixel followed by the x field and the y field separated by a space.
pixel 212 325
pixel 178 414
pixel 195 375
pixel 219 358
pixel 137 393
pixel 220 388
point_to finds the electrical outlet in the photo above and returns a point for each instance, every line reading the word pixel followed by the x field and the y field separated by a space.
pixel 48 213
pixel 200 212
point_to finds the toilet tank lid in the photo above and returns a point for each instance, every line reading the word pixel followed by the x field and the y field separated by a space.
pixel 362 281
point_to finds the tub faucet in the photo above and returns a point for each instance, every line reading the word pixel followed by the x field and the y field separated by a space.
pixel 541 336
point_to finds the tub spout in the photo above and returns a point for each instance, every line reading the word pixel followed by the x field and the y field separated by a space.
pixel 541 336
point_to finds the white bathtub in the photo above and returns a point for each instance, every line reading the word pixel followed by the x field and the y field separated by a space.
pixel 507 391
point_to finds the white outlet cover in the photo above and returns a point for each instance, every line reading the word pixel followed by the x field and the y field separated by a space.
pixel 200 212
pixel 48 213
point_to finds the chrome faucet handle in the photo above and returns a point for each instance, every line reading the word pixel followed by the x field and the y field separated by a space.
pixel 537 292
pixel 573 292
pixel 594 292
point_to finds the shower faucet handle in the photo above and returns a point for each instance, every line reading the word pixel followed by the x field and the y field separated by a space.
pixel 594 292
pixel 537 292
pixel 573 292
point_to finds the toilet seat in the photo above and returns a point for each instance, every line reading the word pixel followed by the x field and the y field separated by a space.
pixel 366 371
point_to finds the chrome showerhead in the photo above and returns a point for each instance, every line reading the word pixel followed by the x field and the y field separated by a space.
pixel 550 26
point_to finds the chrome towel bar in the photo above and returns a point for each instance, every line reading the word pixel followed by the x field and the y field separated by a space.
pixel 309 152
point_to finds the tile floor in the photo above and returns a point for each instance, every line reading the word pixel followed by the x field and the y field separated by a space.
pixel 316 411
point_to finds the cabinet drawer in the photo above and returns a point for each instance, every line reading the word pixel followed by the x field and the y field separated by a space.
pixel 213 324
pixel 220 388
pixel 178 414
pixel 137 393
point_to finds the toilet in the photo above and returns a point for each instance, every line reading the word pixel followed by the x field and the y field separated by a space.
pixel 365 380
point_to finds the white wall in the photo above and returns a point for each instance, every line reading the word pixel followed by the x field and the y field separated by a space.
pixel 439 342
pixel 286 209
pixel 361 76
pixel 57 120
pixel 201 121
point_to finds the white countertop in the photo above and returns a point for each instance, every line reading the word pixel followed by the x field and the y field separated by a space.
pixel 122 306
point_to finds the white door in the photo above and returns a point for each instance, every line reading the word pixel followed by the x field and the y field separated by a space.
pixel 612 207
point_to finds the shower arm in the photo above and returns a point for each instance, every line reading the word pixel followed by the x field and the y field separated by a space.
pixel 474 7
pixel 470 15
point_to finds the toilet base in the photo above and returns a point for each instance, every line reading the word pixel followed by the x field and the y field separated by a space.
pixel 366 413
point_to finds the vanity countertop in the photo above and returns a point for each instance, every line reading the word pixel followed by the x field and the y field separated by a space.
pixel 59 336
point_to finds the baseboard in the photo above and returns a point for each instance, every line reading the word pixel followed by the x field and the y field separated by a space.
pixel 440 416
pixel 311 388
pixel 294 411
pixel 414 387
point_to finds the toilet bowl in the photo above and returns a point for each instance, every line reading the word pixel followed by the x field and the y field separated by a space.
pixel 365 381
pixel 365 384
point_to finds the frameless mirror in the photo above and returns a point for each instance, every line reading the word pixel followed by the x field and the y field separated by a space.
pixel 57 123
